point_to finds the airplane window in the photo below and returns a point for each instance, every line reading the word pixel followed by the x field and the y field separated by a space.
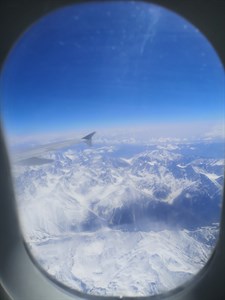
pixel 113 114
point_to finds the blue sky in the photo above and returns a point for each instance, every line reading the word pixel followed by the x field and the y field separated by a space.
pixel 110 64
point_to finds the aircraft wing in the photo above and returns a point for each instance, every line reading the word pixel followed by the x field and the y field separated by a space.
pixel 34 156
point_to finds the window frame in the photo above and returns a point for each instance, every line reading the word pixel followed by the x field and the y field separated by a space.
pixel 20 276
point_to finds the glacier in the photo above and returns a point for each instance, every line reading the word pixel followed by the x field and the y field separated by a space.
pixel 122 220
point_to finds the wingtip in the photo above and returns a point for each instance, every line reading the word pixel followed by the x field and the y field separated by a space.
pixel 88 138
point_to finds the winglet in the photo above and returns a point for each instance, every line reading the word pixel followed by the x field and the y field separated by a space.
pixel 88 138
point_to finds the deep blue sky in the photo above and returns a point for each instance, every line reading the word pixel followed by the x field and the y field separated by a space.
pixel 110 64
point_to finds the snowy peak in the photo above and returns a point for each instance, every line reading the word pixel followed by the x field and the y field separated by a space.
pixel 132 221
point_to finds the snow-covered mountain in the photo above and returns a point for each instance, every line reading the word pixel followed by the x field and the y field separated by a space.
pixel 111 223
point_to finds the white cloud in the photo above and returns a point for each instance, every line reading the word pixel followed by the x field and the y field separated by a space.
pixel 216 132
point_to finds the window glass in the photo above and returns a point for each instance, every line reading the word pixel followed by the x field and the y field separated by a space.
pixel 114 119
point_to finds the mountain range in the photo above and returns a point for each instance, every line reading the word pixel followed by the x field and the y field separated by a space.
pixel 122 220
